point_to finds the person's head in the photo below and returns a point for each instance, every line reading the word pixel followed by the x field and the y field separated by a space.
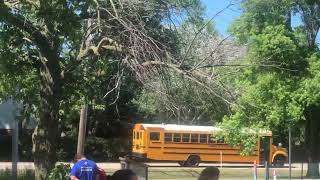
pixel 77 157
pixel 124 174
pixel 210 173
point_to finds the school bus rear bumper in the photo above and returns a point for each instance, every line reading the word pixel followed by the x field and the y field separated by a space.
pixel 139 155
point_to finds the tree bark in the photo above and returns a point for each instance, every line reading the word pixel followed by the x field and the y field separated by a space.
pixel 312 136
pixel 46 135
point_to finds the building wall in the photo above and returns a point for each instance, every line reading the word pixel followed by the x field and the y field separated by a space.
pixel 8 112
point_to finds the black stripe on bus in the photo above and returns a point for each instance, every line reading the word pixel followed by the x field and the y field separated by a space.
pixel 191 148
pixel 195 143
pixel 201 148
pixel 227 154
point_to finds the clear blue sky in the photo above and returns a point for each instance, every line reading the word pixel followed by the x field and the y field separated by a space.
pixel 225 18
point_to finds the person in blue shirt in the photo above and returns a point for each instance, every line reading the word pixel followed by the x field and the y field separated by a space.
pixel 84 169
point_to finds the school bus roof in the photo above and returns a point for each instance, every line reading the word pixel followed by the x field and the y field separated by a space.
pixel 192 128
pixel 175 127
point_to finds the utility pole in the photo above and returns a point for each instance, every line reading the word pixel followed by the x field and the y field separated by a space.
pixel 290 122
pixel 15 143
pixel 266 165
pixel 82 129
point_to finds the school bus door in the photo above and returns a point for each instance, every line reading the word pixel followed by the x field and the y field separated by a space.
pixel 264 149
pixel 155 143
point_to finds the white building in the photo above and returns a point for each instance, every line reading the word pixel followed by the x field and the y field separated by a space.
pixel 8 113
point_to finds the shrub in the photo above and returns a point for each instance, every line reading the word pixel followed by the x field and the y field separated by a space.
pixel 101 149
pixel 60 172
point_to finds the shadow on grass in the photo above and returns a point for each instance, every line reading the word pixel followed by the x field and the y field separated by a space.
pixel 287 177
pixel 22 174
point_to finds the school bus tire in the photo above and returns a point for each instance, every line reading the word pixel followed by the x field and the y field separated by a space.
pixel 279 161
pixel 182 163
pixel 193 161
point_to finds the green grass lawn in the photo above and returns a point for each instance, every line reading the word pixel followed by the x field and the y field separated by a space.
pixel 174 173
pixel 225 174
pixel 22 175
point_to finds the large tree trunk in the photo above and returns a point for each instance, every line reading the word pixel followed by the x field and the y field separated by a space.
pixel 46 135
pixel 44 145
pixel 312 138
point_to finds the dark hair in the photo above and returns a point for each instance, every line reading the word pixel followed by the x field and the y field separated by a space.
pixel 209 172
pixel 123 174
pixel 78 156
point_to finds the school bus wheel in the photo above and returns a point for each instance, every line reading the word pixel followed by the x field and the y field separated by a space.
pixel 192 161
pixel 182 163
pixel 279 161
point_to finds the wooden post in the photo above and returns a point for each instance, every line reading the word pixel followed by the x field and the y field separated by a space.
pixel 220 159
pixel 290 151
pixel 82 130
pixel 255 171
pixel 15 143
pixel 274 175
pixel 266 164
pixel 302 171
pixel 140 169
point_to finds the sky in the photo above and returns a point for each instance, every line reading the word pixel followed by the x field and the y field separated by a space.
pixel 228 15
pixel 225 18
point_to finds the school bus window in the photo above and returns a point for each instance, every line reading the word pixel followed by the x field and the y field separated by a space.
pixel 185 137
pixel 177 137
pixel 212 140
pixel 195 138
pixel 154 136
pixel 138 137
pixel 220 141
pixel 167 137
pixel 203 138
pixel 134 135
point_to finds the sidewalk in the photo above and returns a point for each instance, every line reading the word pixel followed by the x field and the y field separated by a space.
pixel 30 165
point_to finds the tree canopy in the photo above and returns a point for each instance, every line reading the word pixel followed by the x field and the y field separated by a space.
pixel 57 54
pixel 277 89
pixel 179 99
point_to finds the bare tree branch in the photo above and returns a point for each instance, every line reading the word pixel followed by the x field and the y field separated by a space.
pixel 210 55
pixel 201 29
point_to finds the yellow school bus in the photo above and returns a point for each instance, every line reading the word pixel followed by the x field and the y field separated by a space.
pixel 190 145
